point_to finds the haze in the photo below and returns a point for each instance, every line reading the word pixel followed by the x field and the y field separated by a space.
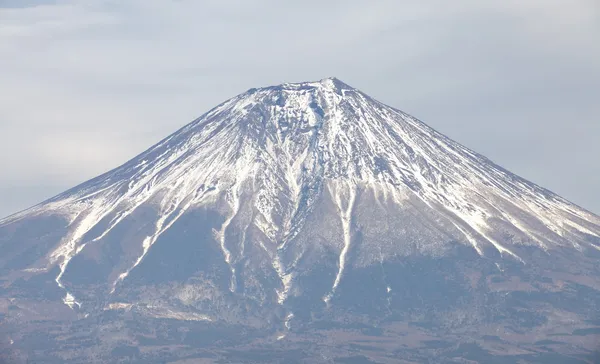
pixel 86 86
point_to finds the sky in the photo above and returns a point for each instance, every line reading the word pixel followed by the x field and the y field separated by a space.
pixel 87 85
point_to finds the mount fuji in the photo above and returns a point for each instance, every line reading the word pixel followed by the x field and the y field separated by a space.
pixel 305 222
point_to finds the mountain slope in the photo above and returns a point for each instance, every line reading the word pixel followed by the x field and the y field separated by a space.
pixel 301 204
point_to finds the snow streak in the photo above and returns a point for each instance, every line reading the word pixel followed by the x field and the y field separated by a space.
pixel 344 201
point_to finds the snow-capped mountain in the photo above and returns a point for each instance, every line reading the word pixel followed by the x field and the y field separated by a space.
pixel 289 206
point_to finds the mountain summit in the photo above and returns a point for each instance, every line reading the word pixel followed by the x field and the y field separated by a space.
pixel 297 211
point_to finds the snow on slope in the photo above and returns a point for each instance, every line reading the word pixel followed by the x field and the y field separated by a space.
pixel 290 144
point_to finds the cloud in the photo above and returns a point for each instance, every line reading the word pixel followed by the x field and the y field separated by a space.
pixel 87 85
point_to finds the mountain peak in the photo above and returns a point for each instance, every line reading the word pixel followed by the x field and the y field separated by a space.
pixel 302 202
pixel 335 83
pixel 310 132
pixel 284 149
pixel 325 84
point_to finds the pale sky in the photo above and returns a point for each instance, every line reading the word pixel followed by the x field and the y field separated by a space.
pixel 86 85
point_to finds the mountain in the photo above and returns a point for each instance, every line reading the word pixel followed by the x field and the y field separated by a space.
pixel 303 222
